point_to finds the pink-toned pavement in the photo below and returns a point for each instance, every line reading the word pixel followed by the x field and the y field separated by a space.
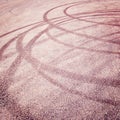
pixel 59 60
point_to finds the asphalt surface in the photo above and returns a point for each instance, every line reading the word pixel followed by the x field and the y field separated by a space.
pixel 60 60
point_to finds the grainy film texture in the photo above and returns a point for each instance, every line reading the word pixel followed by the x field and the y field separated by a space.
pixel 59 60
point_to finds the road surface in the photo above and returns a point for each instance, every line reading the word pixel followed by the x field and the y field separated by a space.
pixel 60 60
